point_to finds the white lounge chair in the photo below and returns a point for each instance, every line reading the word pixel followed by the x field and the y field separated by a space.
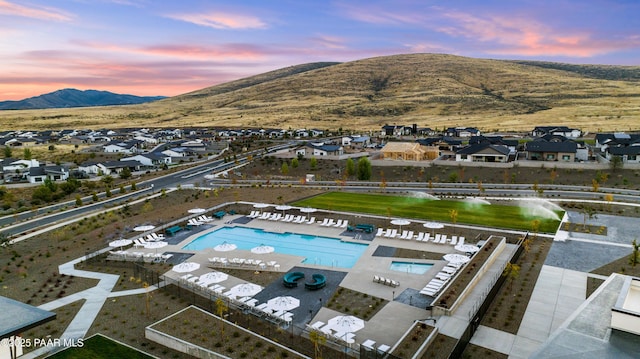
pixel 344 224
pixel 380 232
pixel 420 236
pixel 193 222
pixel 265 215
pixel 157 237
pixel 301 219
pixel 287 218
pixel 311 220
pixel 337 224
pixel 454 240
pixel 436 239
pixel 409 235
pixel 253 214
pixel 404 234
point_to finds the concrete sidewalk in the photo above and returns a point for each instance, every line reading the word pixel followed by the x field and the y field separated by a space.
pixel 557 294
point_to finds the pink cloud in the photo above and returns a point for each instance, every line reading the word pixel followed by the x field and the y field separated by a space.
pixel 221 20
pixel 41 13
pixel 331 42
pixel 523 36
pixel 379 15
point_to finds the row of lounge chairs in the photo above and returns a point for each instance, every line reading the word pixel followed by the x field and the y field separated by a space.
pixel 385 281
pixel 264 310
pixel 198 221
pixel 290 218
pixel 242 262
pixel 420 237
pixel 153 237
pixel 194 281
pixel 436 284
pixel 137 256
pixel 330 222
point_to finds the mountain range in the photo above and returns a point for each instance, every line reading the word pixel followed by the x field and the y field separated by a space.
pixel 76 98
pixel 430 90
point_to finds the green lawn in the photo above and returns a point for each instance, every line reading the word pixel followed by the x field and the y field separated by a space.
pixel 100 347
pixel 494 215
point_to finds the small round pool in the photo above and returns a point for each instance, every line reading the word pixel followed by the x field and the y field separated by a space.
pixel 410 267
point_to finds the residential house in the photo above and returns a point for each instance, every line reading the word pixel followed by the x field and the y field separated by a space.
pixel 319 149
pixel 551 148
pixel 396 130
pixel 443 143
pixel 14 170
pixel 115 167
pixel 564 131
pixel 126 147
pixel 54 173
pixel 618 139
pixel 152 159
pixel 512 145
pixel 409 151
pixel 483 152
pixel 356 141
pixel 461 132
pixel 629 154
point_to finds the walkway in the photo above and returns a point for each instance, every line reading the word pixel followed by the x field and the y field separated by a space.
pixel 94 300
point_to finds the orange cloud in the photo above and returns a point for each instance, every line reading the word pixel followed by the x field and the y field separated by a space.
pixel 221 20
pixel 41 13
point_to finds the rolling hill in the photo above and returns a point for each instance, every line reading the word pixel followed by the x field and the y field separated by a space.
pixel 428 89
pixel 75 98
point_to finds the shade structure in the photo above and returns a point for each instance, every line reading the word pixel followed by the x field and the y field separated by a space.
pixel 144 228
pixel 197 210
pixel 225 247
pixel 245 290
pixel 346 323
pixel 262 249
pixel 213 277
pixel 261 205
pixel 400 222
pixel 456 258
pixel 283 303
pixel 283 207
pixel 185 267
pixel 308 210
pixel 120 242
pixel 467 248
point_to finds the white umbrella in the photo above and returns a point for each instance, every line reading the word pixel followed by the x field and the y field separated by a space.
pixel 467 248
pixel 213 277
pixel 225 247
pixel 261 205
pixel 120 243
pixel 346 323
pixel 283 303
pixel 185 267
pixel 456 258
pixel 262 249
pixel 144 228
pixel 283 208
pixel 400 222
pixel 434 226
pixel 209 177
pixel 308 210
pixel 245 290
pixel 197 210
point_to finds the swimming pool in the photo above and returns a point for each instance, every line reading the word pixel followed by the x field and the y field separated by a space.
pixel 318 250
pixel 410 267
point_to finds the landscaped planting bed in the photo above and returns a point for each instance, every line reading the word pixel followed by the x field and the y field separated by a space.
pixel 407 348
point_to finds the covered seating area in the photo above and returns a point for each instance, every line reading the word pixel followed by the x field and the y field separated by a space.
pixel 319 281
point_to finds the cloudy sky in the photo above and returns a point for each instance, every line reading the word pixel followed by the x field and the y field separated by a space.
pixel 169 47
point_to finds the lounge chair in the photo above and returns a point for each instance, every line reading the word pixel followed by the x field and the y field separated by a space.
pixel 311 220
pixel 157 237
pixel 253 214
pixel 204 218
pixel 443 239
pixel 301 219
pixel 409 235
pixel 427 237
pixel 393 234
pixel 404 234
pixel 337 224
pixel 437 238
pixel 275 217
pixel 420 236
pixel 166 257
pixel 193 222
pixel 324 222
pixel 345 223
pixel 376 278
pixel 265 215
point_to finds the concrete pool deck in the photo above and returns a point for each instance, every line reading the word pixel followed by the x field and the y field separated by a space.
pixel 387 326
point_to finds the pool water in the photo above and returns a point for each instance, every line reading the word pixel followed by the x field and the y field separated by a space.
pixel 317 250
pixel 410 267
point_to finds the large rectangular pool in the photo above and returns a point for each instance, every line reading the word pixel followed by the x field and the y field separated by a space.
pixel 317 250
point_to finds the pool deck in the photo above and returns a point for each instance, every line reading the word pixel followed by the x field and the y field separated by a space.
pixel 385 327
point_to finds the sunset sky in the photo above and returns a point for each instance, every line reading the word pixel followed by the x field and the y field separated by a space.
pixel 163 47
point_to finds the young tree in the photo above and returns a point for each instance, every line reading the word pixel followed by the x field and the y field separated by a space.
pixel 27 154
pixel 588 212
pixel 7 152
pixel 126 173
pixel 78 200
pixel 364 169
pixel 295 163
pixel 318 339
pixel 313 163
pixel 616 163
pixel 350 167
pixel 635 253
pixel 512 272
pixel 284 169
pixel 453 214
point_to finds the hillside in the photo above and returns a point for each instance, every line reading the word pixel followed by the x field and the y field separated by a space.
pixel 75 98
pixel 427 89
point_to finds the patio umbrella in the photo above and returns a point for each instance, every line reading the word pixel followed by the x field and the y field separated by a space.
pixel 214 277
pixel 225 247
pixel 185 267
pixel 144 228
pixel 346 323
pixel 197 210
pixel 283 303
pixel 434 226
pixel 456 258
pixel 261 205
pixel 245 290
pixel 467 248
pixel 120 243
pixel 209 177
pixel 283 207
pixel 155 245
pixel 262 249
pixel 308 210
pixel 400 222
